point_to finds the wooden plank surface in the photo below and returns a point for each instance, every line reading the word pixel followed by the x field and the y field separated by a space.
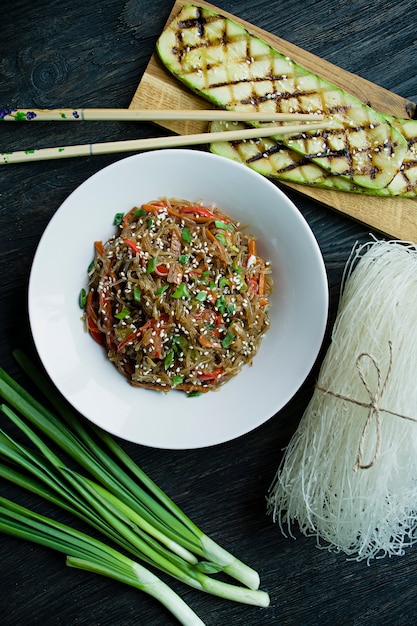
pixel 395 217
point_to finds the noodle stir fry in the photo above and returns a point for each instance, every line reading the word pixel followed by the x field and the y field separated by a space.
pixel 178 296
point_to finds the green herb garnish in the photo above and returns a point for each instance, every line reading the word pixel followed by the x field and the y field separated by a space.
pixel 82 298
pixel 228 338
pixel 169 359
pixel 223 225
pixel 201 296
pixel 220 237
pixel 137 293
pixel 177 380
pixel 121 315
pixel 161 289
pixel 221 304
pixel 118 218
pixel 186 235
pixel 178 341
pixel 151 265
pixel 181 291
pixel 223 282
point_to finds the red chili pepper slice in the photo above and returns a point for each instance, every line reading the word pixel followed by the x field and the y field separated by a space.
pixel 131 244
pixel 211 375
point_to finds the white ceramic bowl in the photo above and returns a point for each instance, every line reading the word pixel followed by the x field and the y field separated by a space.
pixel 79 367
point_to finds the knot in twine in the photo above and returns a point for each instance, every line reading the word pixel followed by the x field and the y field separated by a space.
pixel 373 405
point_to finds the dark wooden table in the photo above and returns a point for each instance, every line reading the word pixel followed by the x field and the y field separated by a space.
pixel 93 54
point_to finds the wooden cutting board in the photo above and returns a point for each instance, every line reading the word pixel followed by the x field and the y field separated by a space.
pixel 395 217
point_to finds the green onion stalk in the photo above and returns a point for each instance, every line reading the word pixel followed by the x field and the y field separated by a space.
pixel 118 498
pixel 86 553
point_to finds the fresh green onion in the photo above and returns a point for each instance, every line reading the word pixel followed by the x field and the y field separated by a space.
pixel 220 237
pixel 180 340
pixel 221 304
pixel 223 282
pixel 121 315
pixel 150 222
pixel 183 258
pixel 121 500
pixel 181 291
pixel 177 380
pixel 89 554
pixel 151 265
pixel 118 218
pixel 169 359
pixel 137 294
pixel 161 289
pixel 82 298
pixel 227 340
pixel 139 212
pixel 201 296
pixel 223 225
pixel 186 235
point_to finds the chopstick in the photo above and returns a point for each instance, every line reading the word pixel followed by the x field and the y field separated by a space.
pixel 150 115
pixel 112 147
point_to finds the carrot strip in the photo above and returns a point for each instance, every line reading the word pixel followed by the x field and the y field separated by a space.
pixel 261 284
pixel 252 247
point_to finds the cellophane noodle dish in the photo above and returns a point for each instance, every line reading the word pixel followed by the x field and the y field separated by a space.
pixel 178 296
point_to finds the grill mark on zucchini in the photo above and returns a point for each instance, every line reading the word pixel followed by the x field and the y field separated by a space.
pixel 217 59
pixel 262 153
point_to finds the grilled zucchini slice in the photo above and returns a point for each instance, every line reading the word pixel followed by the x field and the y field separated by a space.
pixel 221 61
pixel 274 160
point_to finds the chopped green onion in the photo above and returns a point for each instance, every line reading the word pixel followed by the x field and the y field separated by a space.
pixel 90 267
pixel 186 235
pixel 194 394
pixel 201 296
pixel 139 212
pixel 180 340
pixel 223 225
pixel 161 289
pixel 122 314
pixel 137 293
pixel 177 380
pixel 82 298
pixel 220 237
pixel 223 282
pixel 150 222
pixel 151 265
pixel 205 274
pixel 169 359
pixel 118 218
pixel 181 291
pixel 183 258
pixel 230 308
pixel 228 338
pixel 221 304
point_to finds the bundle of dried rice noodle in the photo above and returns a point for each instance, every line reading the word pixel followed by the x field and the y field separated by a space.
pixel 349 474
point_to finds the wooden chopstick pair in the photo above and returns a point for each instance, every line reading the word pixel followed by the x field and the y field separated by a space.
pixel 153 143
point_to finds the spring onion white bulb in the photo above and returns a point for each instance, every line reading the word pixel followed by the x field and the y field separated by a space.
pixel 349 474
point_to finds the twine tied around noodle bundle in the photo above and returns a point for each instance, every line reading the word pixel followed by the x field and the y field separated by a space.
pixel 373 405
